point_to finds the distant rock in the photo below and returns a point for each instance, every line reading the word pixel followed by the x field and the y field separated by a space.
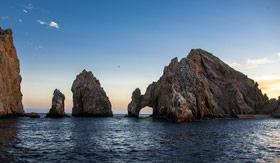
pixel 10 79
pixel 32 115
pixel 197 87
pixel 57 110
pixel 89 98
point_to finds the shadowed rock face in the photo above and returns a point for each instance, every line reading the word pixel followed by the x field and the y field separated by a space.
pixel 57 110
pixel 89 98
pixel 273 108
pixel 10 79
pixel 199 86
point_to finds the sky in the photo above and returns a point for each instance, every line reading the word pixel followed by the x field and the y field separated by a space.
pixel 127 43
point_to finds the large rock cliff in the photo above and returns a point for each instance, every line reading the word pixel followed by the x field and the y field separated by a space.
pixel 10 79
pixel 89 98
pixel 199 86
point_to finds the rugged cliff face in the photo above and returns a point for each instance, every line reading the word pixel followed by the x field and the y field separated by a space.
pixel 57 109
pixel 89 98
pixel 199 86
pixel 10 79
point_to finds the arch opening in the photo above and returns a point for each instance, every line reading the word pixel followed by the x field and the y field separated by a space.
pixel 146 111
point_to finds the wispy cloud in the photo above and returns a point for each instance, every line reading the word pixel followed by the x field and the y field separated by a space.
pixel 234 64
pixel 29 6
pixel 20 20
pixel 41 47
pixel 41 22
pixel 4 17
pixel 54 24
pixel 25 11
pixel 255 62
pixel 278 54
pixel 51 24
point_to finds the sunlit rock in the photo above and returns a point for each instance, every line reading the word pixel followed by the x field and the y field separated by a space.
pixel 10 79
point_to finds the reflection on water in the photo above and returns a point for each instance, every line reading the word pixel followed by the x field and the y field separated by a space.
pixel 119 139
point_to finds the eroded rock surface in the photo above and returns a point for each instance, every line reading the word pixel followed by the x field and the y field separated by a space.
pixel 10 79
pixel 89 98
pixel 273 108
pixel 199 86
pixel 57 110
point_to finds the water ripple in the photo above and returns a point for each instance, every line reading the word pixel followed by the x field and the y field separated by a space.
pixel 119 139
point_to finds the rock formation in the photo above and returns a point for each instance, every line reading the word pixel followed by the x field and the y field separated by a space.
pixel 10 79
pixel 32 115
pixel 57 110
pixel 273 108
pixel 199 86
pixel 89 98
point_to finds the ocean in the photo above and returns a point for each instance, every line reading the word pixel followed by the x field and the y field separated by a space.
pixel 143 139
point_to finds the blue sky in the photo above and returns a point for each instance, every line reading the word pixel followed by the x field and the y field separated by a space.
pixel 56 40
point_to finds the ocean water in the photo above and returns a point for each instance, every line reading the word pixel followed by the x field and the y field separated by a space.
pixel 120 139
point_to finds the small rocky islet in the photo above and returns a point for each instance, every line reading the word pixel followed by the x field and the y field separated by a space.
pixel 57 109
pixel 89 98
pixel 197 87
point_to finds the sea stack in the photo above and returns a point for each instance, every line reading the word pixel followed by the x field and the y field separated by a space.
pixel 89 98
pixel 197 87
pixel 57 110
pixel 10 79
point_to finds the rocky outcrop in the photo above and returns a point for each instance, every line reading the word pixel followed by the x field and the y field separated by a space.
pixel 57 109
pixel 199 86
pixel 10 79
pixel 32 115
pixel 89 98
pixel 273 108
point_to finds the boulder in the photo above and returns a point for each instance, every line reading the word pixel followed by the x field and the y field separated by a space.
pixel 32 115
pixel 89 98
pixel 57 109
pixel 199 86
pixel 10 79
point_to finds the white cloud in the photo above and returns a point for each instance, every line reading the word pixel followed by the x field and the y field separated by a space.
pixel 278 54
pixel 54 24
pixel 41 47
pixel 29 6
pixel 51 24
pixel 41 22
pixel 25 11
pixel 256 62
pixel 20 20
pixel 4 17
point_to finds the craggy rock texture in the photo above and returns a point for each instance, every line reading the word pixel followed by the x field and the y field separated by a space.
pixel 57 110
pixel 10 79
pixel 89 98
pixel 272 108
pixel 199 86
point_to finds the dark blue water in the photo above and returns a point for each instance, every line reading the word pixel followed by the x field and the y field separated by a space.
pixel 120 139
